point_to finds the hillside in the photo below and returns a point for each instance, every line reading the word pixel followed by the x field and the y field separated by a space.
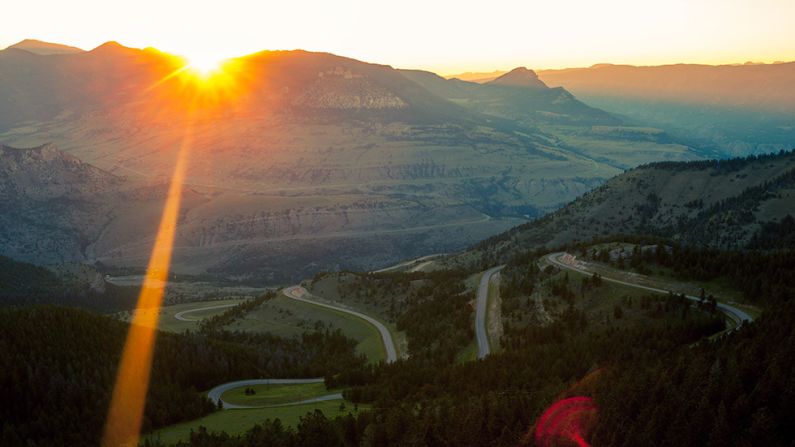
pixel 719 203
pixel 44 48
pixel 51 203
pixel 61 365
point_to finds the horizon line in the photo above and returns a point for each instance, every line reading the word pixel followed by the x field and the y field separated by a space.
pixel 442 73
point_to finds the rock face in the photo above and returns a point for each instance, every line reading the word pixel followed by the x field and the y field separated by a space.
pixel 519 77
pixel 343 89
pixel 51 204
pixel 45 173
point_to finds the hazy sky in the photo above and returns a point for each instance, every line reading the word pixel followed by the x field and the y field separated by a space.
pixel 441 35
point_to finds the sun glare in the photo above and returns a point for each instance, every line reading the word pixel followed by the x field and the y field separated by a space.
pixel 206 64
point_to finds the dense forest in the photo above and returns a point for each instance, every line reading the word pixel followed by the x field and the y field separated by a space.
pixel 22 283
pixel 650 386
pixel 763 276
pixel 664 381
pixel 775 235
pixel 58 365
pixel 438 320
pixel 498 401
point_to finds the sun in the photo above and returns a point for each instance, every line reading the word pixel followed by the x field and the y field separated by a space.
pixel 206 64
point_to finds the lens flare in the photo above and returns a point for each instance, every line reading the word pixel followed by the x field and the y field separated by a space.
pixel 125 415
pixel 186 95
pixel 566 422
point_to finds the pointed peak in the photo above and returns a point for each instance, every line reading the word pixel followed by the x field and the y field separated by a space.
pixel 519 77
pixel 111 45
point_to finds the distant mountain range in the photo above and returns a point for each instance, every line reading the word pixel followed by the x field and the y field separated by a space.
pixel 517 95
pixel 729 109
pixel 298 161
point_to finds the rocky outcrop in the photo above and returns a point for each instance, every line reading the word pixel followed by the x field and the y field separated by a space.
pixel 343 89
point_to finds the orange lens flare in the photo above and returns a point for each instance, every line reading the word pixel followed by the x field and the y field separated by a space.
pixel 125 415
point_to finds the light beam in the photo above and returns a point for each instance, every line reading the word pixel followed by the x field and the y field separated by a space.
pixel 125 415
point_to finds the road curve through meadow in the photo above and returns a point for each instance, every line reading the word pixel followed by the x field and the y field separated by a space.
pixel 181 315
pixel 299 293
pixel 737 315
pixel 216 393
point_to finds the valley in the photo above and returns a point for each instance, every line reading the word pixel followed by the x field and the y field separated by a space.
pixel 227 248
pixel 309 162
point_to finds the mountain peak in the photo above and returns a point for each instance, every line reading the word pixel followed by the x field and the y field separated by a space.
pixel 110 46
pixel 519 77
pixel 44 48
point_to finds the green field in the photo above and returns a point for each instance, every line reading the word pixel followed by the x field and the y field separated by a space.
pixel 167 322
pixel 275 394
pixel 289 318
pixel 468 354
pixel 239 421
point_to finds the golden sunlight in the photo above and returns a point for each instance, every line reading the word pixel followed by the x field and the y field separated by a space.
pixel 125 415
pixel 206 64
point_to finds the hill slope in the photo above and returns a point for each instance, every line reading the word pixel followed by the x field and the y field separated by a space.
pixel 44 48
pixel 716 203
pixel 51 203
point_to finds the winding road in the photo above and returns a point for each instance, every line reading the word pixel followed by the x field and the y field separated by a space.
pixel 299 293
pixel 181 315
pixel 736 315
pixel 481 333
pixel 216 393
pixel 415 262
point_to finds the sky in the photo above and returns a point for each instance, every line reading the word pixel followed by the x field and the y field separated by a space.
pixel 439 35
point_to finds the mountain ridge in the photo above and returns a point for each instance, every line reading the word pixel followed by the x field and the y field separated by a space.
pixel 43 48
pixel 519 77
pixel 716 203
pixel 305 162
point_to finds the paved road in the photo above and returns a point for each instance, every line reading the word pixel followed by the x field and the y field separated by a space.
pixel 737 315
pixel 215 393
pixel 409 262
pixel 298 293
pixel 480 312
pixel 181 315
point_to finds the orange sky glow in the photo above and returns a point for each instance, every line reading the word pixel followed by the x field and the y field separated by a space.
pixel 444 36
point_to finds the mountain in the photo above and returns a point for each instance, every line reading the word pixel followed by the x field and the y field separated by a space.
pixel 519 77
pixel 733 109
pixel 517 95
pixel 297 161
pixel 560 117
pixel 44 48
pixel 717 203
